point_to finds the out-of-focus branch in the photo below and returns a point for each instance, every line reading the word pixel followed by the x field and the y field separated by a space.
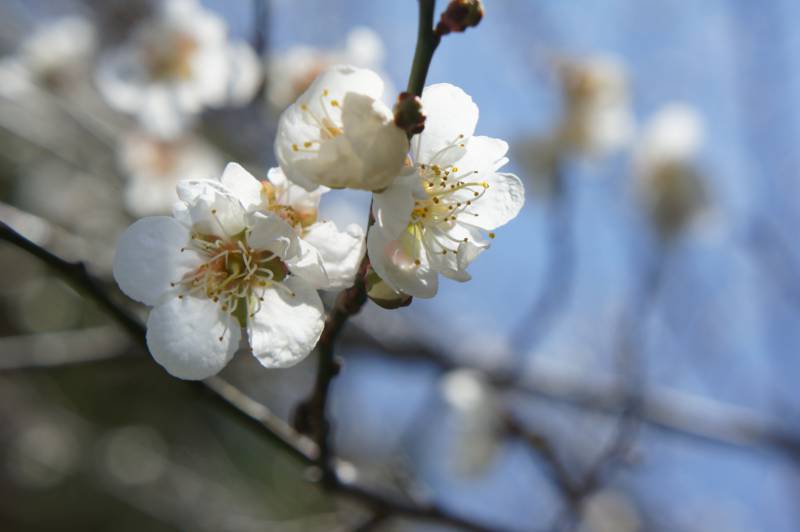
pixel 556 285
pixel 661 407
pixel 240 404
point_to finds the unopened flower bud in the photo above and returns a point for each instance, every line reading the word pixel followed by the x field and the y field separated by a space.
pixel 408 114
pixel 460 15
pixel 384 295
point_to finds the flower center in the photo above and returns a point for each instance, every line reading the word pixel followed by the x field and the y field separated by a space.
pixel 328 127
pixel 449 196
pixel 170 58
pixel 233 274
pixel 295 217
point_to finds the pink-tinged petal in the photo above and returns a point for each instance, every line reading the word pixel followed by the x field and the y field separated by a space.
pixel 398 268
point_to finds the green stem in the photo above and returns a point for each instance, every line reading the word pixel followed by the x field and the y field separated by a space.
pixel 427 41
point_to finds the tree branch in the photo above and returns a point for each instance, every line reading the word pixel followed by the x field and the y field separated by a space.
pixel 238 403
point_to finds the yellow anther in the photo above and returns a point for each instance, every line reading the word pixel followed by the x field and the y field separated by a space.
pixel 417 262
pixel 306 144
pixel 334 103
pixel 325 92
pixel 303 107
pixel 295 147
pixel 491 235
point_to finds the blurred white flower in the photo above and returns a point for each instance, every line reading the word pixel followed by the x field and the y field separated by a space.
pixel 433 218
pixel 42 454
pixel 610 511
pixel 476 420
pixel 291 71
pixel 54 56
pixel 135 455
pixel 154 166
pixel 339 134
pixel 597 116
pixel 176 65
pixel 339 251
pixel 664 163
pixel 214 268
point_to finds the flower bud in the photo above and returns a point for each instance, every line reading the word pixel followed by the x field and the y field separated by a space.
pixel 384 295
pixel 408 114
pixel 460 15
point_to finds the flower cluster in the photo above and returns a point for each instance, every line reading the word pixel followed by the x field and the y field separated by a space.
pixel 176 65
pixel 243 254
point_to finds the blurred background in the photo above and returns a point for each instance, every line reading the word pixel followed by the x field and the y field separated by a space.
pixel 624 359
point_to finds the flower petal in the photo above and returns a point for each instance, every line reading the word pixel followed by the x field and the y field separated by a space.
pixel 500 203
pixel 243 185
pixel 305 262
pixel 269 231
pixel 191 337
pixel 397 268
pixel 341 251
pixel 451 120
pixel 392 207
pixel 212 209
pixel 287 326
pixel 149 258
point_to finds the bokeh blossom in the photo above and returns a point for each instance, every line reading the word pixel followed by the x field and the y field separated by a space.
pixel 175 66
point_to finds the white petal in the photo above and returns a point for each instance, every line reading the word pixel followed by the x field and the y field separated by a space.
pixel 183 335
pixel 287 327
pixel 500 203
pixel 243 185
pixel 397 268
pixel 483 155
pixel 381 146
pixel 149 258
pixel 392 207
pixel 341 251
pixel 305 262
pixel 269 231
pixel 451 120
pixel 212 208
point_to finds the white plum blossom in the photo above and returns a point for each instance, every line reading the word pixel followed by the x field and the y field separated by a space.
pixel 664 163
pixel 214 268
pixel 291 71
pixel 176 65
pixel 597 116
pixel 54 56
pixel 340 135
pixel 436 217
pixel 154 166
pixel 339 252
